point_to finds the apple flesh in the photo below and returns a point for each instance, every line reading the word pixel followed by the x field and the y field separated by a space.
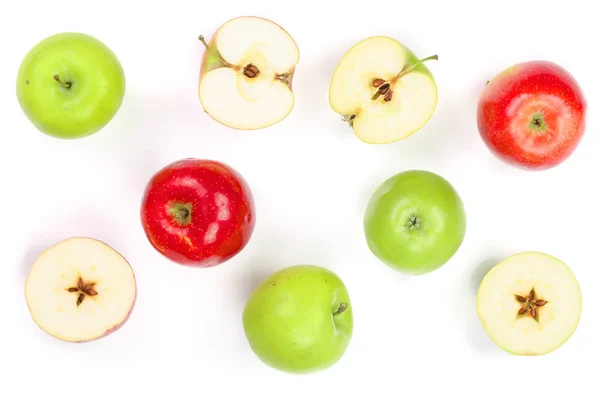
pixel 529 304
pixel 80 290
pixel 299 320
pixel 198 213
pixel 70 85
pixel 415 222
pixel 383 90
pixel 532 115
pixel 247 72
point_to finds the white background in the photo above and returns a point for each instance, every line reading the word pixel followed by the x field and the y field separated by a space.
pixel 414 338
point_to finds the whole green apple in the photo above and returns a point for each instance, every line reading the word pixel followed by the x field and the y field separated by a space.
pixel 415 222
pixel 299 320
pixel 70 85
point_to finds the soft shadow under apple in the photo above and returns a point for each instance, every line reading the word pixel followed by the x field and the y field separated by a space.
pixel 30 256
pixel 476 336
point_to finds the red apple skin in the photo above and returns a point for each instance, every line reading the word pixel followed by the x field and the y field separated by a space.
pixel 198 213
pixel 532 115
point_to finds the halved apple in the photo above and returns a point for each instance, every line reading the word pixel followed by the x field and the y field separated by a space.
pixel 529 304
pixel 80 289
pixel 383 90
pixel 247 72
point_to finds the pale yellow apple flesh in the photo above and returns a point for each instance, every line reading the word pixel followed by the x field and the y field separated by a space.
pixel 379 121
pixel 510 322
pixel 248 100
pixel 76 311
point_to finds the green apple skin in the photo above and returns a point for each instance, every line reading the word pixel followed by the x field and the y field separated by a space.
pixel 290 319
pixel 96 92
pixel 415 222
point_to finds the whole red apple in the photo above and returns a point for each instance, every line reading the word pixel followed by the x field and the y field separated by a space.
pixel 532 115
pixel 198 213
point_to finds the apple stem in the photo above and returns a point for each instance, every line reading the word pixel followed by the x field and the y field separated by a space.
pixel 214 53
pixel 407 70
pixel 341 309
pixel 63 84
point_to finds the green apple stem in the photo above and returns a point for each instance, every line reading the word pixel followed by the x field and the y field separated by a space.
pixel 407 70
pixel 63 84
pixel 214 53
pixel 341 309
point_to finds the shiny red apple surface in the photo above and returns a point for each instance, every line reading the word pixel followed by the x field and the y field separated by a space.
pixel 198 213
pixel 532 115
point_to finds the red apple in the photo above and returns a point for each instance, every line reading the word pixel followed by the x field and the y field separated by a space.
pixel 532 115
pixel 198 213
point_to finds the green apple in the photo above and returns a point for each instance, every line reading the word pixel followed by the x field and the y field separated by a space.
pixel 383 90
pixel 529 304
pixel 70 85
pixel 415 222
pixel 299 320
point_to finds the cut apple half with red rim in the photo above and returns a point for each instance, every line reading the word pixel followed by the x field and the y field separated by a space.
pixel 80 290
pixel 247 72
pixel 529 304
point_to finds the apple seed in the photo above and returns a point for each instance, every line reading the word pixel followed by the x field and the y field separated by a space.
pixel 378 82
pixel 383 89
pixel 83 290
pixel 80 299
pixel 251 71
pixel 531 304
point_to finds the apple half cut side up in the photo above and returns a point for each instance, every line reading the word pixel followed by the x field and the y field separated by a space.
pixel 80 290
pixel 383 91
pixel 246 75
pixel 529 304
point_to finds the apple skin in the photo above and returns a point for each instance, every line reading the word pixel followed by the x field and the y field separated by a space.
pixel 198 213
pixel 441 228
pixel 289 319
pixel 97 89
pixel 509 104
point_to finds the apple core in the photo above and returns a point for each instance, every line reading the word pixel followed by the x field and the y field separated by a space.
pixel 82 289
